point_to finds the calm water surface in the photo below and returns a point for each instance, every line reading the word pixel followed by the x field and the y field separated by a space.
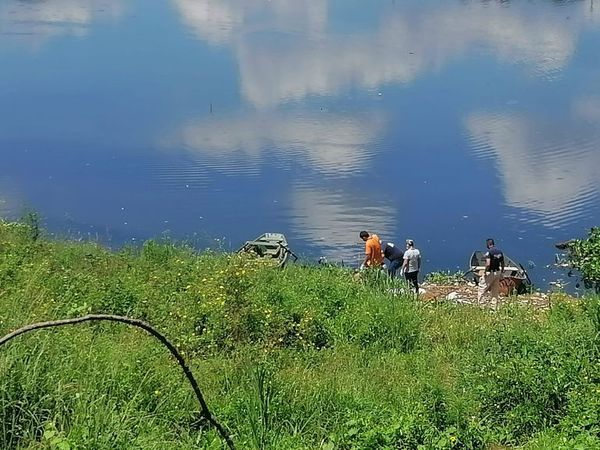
pixel 446 122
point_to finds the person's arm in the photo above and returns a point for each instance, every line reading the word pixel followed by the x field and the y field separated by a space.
pixel 367 257
pixel 366 260
pixel 488 262
pixel 419 262
pixel 404 263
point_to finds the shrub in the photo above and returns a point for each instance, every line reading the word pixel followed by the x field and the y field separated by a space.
pixel 527 375
pixel 584 255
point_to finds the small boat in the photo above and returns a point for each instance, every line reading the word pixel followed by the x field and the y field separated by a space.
pixel 270 246
pixel 515 277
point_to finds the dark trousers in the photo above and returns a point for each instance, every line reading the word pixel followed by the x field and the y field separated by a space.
pixel 394 266
pixel 413 278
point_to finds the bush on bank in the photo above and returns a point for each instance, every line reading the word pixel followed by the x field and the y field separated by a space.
pixel 301 358
pixel 584 255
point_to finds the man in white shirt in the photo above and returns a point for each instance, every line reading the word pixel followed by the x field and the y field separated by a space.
pixel 412 264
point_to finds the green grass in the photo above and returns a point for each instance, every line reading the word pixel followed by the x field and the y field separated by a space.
pixel 303 358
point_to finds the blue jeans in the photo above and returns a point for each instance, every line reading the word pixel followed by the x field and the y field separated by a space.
pixel 394 267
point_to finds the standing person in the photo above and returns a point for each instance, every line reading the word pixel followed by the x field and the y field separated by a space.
pixel 412 264
pixel 395 256
pixel 489 281
pixel 373 254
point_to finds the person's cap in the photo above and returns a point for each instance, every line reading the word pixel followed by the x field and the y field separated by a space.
pixel 410 242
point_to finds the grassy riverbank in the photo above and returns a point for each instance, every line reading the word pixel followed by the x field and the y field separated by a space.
pixel 303 358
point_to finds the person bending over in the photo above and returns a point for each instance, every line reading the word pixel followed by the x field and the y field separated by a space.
pixel 395 256
pixel 373 255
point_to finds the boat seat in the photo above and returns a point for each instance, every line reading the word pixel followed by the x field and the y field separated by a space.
pixel 263 244
pixel 506 269
pixel 271 249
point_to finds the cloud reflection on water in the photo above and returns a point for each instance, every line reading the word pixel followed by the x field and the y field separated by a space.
pixel 332 219
pixel 331 144
pixel 220 22
pixel 35 22
pixel 549 170
pixel 403 46
pixel 280 61
pixel 325 144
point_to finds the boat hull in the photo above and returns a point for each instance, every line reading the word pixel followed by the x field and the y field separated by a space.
pixel 272 246
pixel 515 279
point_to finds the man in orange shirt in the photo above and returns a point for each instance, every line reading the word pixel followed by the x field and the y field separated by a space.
pixel 373 253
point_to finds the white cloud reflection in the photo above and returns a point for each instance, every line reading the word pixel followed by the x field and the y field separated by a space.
pixel 35 22
pixel 329 143
pixel 222 21
pixel 316 60
pixel 211 20
pixel 332 219
pixel 549 170
pixel 399 52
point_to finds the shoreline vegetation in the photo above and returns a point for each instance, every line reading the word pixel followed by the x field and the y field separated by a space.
pixel 299 358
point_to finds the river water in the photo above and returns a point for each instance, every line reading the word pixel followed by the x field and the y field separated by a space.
pixel 217 120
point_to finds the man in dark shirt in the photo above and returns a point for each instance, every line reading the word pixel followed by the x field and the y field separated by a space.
pixel 395 257
pixel 489 281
